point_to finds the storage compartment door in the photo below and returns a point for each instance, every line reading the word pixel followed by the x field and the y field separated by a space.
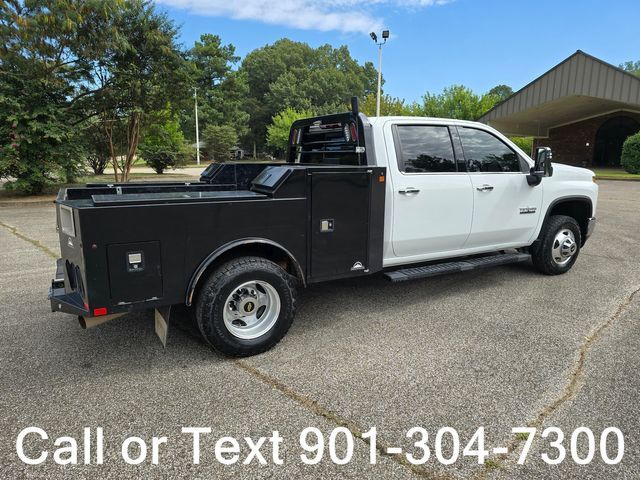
pixel 339 224
pixel 135 271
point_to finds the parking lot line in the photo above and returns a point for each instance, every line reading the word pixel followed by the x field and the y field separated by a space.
pixel 35 243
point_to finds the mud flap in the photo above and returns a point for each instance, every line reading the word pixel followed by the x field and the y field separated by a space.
pixel 162 316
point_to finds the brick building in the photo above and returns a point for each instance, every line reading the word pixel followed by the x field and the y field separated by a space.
pixel 583 108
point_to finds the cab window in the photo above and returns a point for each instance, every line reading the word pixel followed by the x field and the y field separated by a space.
pixel 485 153
pixel 425 149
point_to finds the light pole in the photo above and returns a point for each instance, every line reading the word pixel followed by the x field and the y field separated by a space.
pixel 374 37
pixel 195 96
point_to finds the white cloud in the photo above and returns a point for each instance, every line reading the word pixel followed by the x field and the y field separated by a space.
pixel 342 15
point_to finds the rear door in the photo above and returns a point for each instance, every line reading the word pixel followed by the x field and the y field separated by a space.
pixel 432 194
pixel 506 207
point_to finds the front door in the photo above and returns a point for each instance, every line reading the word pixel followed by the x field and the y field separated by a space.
pixel 506 208
pixel 432 200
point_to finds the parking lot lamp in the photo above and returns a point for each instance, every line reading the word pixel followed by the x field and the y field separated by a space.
pixel 374 37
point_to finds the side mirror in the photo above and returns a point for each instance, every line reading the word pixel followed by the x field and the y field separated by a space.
pixel 542 167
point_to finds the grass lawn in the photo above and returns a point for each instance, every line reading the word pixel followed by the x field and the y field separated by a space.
pixel 615 174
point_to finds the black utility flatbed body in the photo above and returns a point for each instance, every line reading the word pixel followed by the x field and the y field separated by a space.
pixel 135 246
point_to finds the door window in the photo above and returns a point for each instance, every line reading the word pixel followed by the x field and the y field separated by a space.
pixel 486 153
pixel 425 149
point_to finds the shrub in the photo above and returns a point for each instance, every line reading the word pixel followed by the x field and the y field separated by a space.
pixel 525 144
pixel 630 159
pixel 160 159
pixel 163 146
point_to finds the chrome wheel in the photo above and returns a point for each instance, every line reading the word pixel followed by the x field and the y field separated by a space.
pixel 251 309
pixel 564 247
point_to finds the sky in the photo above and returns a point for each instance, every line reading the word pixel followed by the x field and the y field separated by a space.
pixel 434 43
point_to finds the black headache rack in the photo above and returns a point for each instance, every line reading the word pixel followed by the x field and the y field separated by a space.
pixel 337 139
pixel 134 246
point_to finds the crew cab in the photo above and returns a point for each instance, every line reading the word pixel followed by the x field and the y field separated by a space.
pixel 404 197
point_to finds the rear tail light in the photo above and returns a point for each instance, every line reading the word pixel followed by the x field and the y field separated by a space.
pixel 99 311
pixel 354 132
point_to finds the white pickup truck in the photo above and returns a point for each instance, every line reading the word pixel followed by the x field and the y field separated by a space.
pixel 460 188
pixel 405 197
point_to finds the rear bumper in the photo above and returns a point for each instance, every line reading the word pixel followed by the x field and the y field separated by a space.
pixel 62 301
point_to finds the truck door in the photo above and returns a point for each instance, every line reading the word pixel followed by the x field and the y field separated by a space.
pixel 506 208
pixel 432 195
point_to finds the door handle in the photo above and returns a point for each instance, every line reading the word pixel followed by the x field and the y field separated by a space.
pixel 484 188
pixel 409 191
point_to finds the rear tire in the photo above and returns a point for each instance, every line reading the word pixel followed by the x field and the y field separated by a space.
pixel 558 246
pixel 246 306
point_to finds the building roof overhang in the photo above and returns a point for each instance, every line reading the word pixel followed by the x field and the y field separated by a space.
pixel 576 89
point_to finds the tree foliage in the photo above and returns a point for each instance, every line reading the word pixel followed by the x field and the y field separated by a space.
pixel 630 159
pixel 96 147
pixel 69 64
pixel 525 144
pixel 458 102
pixel 388 106
pixel 631 67
pixel 134 77
pixel 41 42
pixel 163 145
pixel 219 139
pixel 293 74
pixel 278 131
pixel 221 91
pixel 501 91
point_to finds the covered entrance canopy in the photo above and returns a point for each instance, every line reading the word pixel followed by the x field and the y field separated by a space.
pixel 568 105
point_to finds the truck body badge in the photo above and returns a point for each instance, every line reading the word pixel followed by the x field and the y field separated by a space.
pixel 357 266
pixel 525 210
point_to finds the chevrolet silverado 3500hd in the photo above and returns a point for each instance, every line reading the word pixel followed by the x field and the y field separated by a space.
pixel 406 197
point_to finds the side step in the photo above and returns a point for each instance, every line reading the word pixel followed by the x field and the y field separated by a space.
pixel 414 273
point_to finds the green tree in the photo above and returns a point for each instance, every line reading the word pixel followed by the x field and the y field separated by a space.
pixel 278 131
pixel 218 140
pixel 388 106
pixel 458 102
pixel 631 67
pixel 137 73
pixel 293 74
pixel 40 67
pixel 501 91
pixel 221 91
pixel 163 145
pixel 69 64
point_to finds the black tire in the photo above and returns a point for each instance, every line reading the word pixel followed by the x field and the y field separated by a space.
pixel 212 300
pixel 542 253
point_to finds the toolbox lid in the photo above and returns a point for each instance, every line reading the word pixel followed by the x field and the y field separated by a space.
pixel 174 197
pixel 270 179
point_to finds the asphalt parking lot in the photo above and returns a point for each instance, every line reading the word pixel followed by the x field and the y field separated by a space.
pixel 501 348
